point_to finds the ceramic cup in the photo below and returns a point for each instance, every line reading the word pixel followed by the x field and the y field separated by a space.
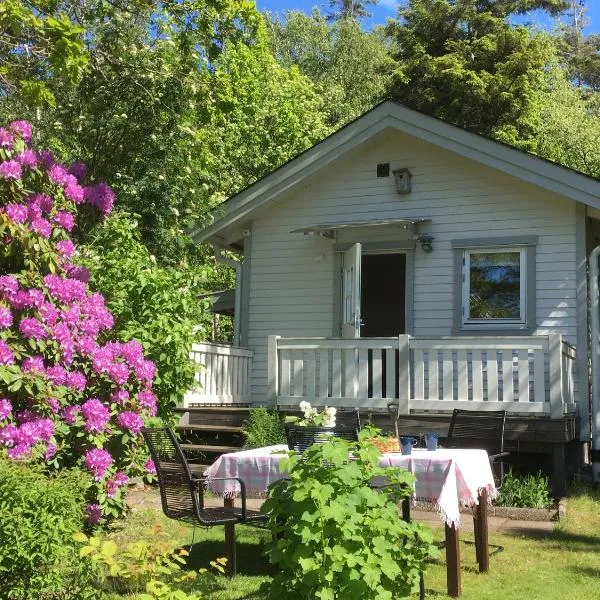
pixel 431 441
pixel 406 444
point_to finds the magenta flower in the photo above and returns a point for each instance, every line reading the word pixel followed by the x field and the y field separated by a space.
pixel 65 248
pixel 33 364
pixel 79 273
pixel 42 201
pixel 65 219
pixel 69 414
pixel 150 467
pixel 27 158
pixel 130 421
pixel 49 314
pixel 78 169
pixel 119 373
pixel 46 158
pixel 6 138
pixel 145 370
pixel 58 174
pixel 8 285
pixel 6 318
pixel 65 290
pixel 5 408
pixel 50 452
pixel 41 227
pixel 75 192
pixel 94 514
pixel 57 374
pixel 32 328
pixel 19 451
pixel 6 354
pixel 111 488
pixel 17 213
pixel 23 128
pixel 96 415
pixel 147 401
pixel 53 404
pixel 120 397
pixel 101 196
pixel 8 435
pixel 76 380
pixel 121 479
pixel 10 169
pixel 98 461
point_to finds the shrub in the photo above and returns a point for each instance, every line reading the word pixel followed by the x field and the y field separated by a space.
pixel 524 491
pixel 70 392
pixel 340 538
pixel 39 515
pixel 265 427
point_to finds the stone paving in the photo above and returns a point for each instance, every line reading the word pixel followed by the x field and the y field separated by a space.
pixel 148 497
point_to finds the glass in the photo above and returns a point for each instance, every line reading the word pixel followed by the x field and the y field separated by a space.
pixel 495 285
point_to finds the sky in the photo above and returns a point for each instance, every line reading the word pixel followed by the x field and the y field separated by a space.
pixel 387 8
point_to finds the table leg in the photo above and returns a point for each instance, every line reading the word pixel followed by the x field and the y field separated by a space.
pixel 230 541
pixel 481 535
pixel 453 561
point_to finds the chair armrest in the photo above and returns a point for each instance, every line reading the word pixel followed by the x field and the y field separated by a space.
pixel 495 457
pixel 242 489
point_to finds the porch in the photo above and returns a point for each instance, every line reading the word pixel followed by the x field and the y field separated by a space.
pixel 531 377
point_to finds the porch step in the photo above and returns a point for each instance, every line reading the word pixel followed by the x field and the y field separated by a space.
pixel 211 449
pixel 213 409
pixel 210 428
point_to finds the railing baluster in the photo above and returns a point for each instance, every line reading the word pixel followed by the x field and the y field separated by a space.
pixel 492 375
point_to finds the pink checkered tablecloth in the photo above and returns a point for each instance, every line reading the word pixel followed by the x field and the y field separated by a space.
pixel 450 478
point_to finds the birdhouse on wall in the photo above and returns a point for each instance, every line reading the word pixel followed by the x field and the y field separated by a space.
pixel 402 177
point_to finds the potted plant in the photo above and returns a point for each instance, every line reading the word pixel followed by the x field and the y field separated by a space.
pixel 315 427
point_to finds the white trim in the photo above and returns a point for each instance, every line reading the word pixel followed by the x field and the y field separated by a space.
pixel 470 323
pixel 390 115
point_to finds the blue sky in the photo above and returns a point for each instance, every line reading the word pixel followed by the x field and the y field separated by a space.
pixel 386 8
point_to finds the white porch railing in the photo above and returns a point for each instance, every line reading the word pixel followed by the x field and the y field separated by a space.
pixel 524 375
pixel 223 375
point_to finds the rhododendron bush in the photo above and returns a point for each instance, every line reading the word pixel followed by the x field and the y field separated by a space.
pixel 70 393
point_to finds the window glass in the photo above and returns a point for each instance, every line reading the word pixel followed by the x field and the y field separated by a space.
pixel 495 285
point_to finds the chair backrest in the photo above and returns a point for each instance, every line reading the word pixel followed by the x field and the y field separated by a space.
pixel 348 418
pixel 177 491
pixel 299 438
pixel 477 429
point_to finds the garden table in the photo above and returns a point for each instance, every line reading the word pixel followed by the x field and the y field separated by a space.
pixel 450 478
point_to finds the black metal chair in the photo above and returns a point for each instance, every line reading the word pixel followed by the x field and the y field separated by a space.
pixel 182 492
pixel 348 418
pixel 480 429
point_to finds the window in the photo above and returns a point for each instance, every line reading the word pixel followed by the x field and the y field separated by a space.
pixel 494 286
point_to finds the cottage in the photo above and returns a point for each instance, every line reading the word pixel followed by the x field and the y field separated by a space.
pixel 406 260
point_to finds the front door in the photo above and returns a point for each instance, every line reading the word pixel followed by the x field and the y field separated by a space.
pixel 383 295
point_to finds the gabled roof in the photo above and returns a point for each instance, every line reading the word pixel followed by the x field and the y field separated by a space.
pixel 389 114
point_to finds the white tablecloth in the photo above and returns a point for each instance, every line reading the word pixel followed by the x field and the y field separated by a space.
pixel 449 478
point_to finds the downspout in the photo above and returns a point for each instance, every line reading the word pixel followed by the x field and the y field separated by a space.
pixel 595 309
pixel 237 265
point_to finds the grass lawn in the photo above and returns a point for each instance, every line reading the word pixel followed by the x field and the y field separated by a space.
pixel 559 565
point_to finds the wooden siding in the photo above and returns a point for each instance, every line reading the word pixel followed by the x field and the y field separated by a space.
pixel 292 281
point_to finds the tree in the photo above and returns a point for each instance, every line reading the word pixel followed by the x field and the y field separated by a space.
pixel 350 9
pixel 570 125
pixel 37 44
pixel 466 64
pixel 581 52
pixel 350 67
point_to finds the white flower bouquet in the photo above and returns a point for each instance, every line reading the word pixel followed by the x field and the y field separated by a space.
pixel 314 418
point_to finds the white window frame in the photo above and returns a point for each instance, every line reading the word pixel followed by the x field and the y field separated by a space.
pixel 467 322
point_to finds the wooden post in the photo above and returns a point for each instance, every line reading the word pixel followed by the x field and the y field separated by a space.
pixel 480 517
pixel 230 542
pixel 403 375
pixel 556 375
pixel 272 370
pixel 453 561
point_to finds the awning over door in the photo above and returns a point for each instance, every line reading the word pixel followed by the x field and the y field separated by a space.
pixel 329 229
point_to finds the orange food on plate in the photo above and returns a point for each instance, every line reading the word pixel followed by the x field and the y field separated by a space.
pixel 389 444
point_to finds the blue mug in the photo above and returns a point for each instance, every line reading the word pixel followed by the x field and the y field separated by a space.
pixel 431 441
pixel 406 444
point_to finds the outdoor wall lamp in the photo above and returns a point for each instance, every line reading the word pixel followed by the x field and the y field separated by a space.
pixel 426 242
